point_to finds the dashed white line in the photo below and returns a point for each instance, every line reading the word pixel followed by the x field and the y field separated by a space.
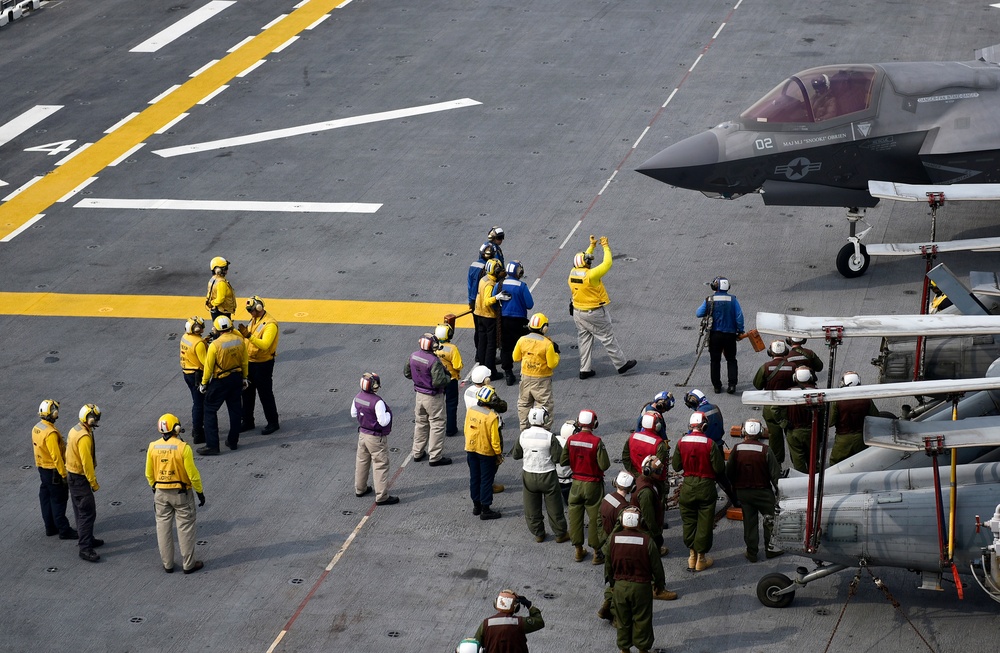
pixel 286 44
pixel 173 122
pixel 121 122
pixel 570 235
pixel 639 140
pixel 607 183
pixel 204 68
pixel 73 154
pixel 274 22
pixel 208 98
pixel 241 44
pixel 9 237
pixel 318 21
pixel 182 27
pixel 77 189
pixel 127 154
pixel 695 62
pixel 252 68
pixel 164 94
pixel 669 98
pixel 718 31
pixel 22 188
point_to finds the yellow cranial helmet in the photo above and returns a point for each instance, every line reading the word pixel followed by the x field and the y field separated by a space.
pixel 168 423
pixel 218 262
pixel 90 415
pixel 49 410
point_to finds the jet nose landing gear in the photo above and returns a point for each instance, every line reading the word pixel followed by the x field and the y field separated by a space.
pixel 853 258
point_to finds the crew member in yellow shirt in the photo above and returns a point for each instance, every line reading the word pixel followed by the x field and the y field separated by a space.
pixel 262 344
pixel 538 356
pixel 223 382
pixel 484 451
pixel 452 361
pixel 590 309
pixel 50 456
pixel 171 472
pixel 81 463
pixel 193 351
pixel 221 298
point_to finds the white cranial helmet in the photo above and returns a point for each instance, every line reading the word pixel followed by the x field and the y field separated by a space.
pixel 850 379
pixel 630 517
pixel 537 416
pixel 479 374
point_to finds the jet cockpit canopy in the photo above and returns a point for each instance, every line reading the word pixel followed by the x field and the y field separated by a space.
pixel 815 95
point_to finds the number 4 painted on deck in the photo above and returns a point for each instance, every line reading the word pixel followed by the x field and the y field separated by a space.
pixel 52 148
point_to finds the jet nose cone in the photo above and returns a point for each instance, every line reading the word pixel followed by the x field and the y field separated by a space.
pixel 677 165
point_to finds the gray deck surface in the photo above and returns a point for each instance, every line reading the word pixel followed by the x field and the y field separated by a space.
pixel 567 88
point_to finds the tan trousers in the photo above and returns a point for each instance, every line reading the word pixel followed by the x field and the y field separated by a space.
pixel 373 451
pixel 596 323
pixel 535 391
pixel 429 424
pixel 173 506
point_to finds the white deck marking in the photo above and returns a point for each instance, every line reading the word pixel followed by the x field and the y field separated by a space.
pixel 127 154
pixel 208 98
pixel 183 26
pixel 170 124
pixel 314 127
pixel 204 68
pixel 14 128
pixel 164 94
pixel 121 122
pixel 271 24
pixel 73 154
pixel 318 21
pixel 240 44
pixel 9 237
pixel 21 188
pixel 215 205
pixel 286 44
pixel 77 189
pixel 252 68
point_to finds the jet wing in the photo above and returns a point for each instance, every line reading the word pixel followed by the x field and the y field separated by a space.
pixel 884 391
pixel 903 435
pixel 938 324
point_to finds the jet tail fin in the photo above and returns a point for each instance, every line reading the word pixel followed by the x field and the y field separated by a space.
pixel 989 55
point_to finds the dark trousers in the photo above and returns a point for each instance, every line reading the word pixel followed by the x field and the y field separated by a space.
pixel 486 342
pixel 511 329
pixel 260 384
pixel 482 471
pixel 197 404
pixel 84 508
pixel 53 497
pixel 451 407
pixel 720 343
pixel 229 391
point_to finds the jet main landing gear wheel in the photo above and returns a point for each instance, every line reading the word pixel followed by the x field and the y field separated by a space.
pixel 851 264
pixel 768 588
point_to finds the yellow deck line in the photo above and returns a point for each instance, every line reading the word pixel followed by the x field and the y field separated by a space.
pixel 60 181
pixel 179 307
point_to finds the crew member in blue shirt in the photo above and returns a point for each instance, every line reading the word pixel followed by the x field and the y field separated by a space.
pixel 727 324
pixel 513 316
